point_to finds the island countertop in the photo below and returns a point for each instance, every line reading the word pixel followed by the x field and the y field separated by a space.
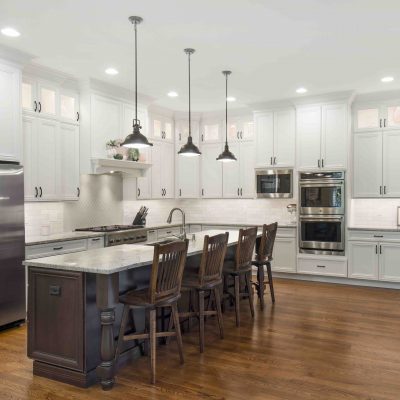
pixel 109 260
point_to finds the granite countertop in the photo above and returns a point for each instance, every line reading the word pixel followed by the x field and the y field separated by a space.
pixel 109 260
pixel 283 225
pixel 60 237
pixel 374 228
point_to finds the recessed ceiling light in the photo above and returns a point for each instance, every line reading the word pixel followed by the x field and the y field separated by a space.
pixel 111 71
pixel 387 79
pixel 172 94
pixel 231 98
pixel 11 32
pixel 301 90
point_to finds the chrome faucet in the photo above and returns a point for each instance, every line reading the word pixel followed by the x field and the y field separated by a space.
pixel 183 229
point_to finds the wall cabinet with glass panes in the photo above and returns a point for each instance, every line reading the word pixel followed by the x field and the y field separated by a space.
pixel 375 116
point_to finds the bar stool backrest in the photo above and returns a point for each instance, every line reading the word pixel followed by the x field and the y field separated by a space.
pixel 167 270
pixel 266 247
pixel 245 247
pixel 212 259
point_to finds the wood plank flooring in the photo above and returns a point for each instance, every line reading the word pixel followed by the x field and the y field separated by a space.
pixel 320 342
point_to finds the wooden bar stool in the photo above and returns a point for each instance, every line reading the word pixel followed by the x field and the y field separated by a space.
pixel 263 258
pixel 241 267
pixel 208 278
pixel 164 291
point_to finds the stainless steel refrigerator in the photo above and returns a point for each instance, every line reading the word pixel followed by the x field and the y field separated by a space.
pixel 12 244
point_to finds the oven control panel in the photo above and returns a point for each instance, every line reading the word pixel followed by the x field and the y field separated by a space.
pixel 126 237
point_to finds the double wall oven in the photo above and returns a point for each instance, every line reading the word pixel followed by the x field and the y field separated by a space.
pixel 322 212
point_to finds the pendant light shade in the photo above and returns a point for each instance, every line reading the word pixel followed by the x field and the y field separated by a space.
pixel 226 155
pixel 136 140
pixel 189 149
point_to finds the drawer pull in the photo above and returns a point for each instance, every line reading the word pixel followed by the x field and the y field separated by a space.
pixel 55 290
pixel 95 239
pixel 378 236
pixel 58 248
pixel 321 266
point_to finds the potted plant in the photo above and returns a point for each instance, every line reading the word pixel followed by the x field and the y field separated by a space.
pixel 111 147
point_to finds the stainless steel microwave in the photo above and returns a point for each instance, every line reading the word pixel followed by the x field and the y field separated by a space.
pixel 274 183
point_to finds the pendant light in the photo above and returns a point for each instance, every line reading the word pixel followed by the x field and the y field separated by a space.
pixel 189 149
pixel 226 155
pixel 136 140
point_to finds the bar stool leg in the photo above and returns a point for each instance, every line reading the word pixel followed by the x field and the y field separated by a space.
pixel 153 345
pixel 217 298
pixel 175 316
pixel 271 283
pixel 237 299
pixel 121 332
pixel 201 319
pixel 260 275
pixel 250 292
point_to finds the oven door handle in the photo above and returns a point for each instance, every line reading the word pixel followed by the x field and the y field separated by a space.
pixel 321 218
pixel 321 184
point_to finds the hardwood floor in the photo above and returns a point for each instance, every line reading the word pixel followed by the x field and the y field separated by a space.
pixel 319 342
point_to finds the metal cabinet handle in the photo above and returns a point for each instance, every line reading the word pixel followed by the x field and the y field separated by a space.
pixel 384 122
pixel 96 239
pixel 77 116
pixel 58 248
pixel 138 192
pixel 40 107
pixel 162 192
pixel 35 106
pixel 271 160
pixel 322 163
pixel 380 189
pixel 180 136
pixel 319 163
pixel 241 134
pixel 202 137
pixel 165 192
pixel 41 191
pixel 376 249
pixel 241 191
pixel 202 192
pixel 274 160
pixel 380 249
pixel 36 192
pixel 380 123
pixel 384 189
pixel 78 190
pixel 237 134
pixel 180 192
pixel 378 236
pixel 238 191
pixel 321 266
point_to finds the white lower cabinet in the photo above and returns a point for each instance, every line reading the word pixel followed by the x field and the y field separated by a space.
pixel 363 260
pixel 324 265
pixel 389 262
pixel 211 171
pixel 284 254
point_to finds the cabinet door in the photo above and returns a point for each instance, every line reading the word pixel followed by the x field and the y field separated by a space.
pixel 334 136
pixel 247 175
pixel 47 159
pixel 69 106
pixel 211 132
pixel 367 118
pixel 392 116
pixel 391 164
pixel 309 137
pixel 10 103
pixel 247 130
pixel 29 95
pixel 106 124
pixel 363 260
pixel 144 182
pixel 157 191
pixel 264 124
pixel 284 255
pixel 167 170
pixel 30 164
pixel 284 138
pixel 69 142
pixel 47 99
pixel 211 171
pixel 231 174
pixel 182 133
pixel 187 177
pixel 389 266
pixel 233 130
pixel 367 179
pixel 168 130
pixel 157 127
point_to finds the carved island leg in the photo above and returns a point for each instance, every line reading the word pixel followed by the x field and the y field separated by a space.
pixel 107 299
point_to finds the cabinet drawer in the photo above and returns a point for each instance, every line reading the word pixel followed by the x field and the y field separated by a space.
pixel 373 235
pixel 55 248
pixel 194 228
pixel 151 235
pixel 95 243
pixel 323 266
pixel 165 232
pixel 284 232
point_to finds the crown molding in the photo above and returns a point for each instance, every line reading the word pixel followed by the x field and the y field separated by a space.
pixel 14 56
pixel 361 98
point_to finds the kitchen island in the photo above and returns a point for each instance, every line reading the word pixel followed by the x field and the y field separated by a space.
pixel 74 313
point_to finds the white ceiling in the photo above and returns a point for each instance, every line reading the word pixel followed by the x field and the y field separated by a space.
pixel 272 46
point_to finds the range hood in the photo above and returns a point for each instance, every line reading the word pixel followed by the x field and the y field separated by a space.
pixel 110 165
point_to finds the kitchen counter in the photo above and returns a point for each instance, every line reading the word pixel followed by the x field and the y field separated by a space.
pixel 60 237
pixel 233 224
pixel 375 228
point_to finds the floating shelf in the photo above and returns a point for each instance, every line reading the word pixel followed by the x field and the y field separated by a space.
pixel 108 165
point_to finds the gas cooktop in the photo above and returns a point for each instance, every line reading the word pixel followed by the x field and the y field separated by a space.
pixel 109 228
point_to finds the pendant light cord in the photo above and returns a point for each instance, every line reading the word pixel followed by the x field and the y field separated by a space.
pixel 136 73
pixel 226 109
pixel 190 112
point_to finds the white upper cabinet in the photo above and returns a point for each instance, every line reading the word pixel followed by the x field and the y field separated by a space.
pixel 162 127
pixel 211 131
pixel 240 129
pixel 69 106
pixel 69 145
pixel 238 176
pixel 391 164
pixel 10 115
pixel 182 132
pixel 275 132
pixel 322 133
pixel 367 168
pixel 211 171
pixel 144 182
pixel 47 99
pixel 375 116
pixel 162 170
pixel 187 177
pixel 392 116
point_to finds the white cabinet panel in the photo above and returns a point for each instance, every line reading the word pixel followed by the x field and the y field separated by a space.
pixel 367 118
pixel 211 171
pixel 391 164
pixel 284 138
pixel 187 177
pixel 10 125
pixel 334 136
pixel 30 164
pixel 367 164
pixel 162 170
pixel 363 260
pixel 143 189
pixel 182 132
pixel 247 175
pixel 327 266
pixel 48 99
pixel 167 170
pixel 393 116
pixel 69 106
pixel 284 255
pixel 389 265
pixel 264 124
pixel 308 137
pixel 69 142
pixel 157 191
pixel 162 127
pixel 106 124
pixel 231 174
pixel 211 131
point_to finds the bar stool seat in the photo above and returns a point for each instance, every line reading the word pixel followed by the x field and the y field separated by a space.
pixel 192 282
pixel 140 299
